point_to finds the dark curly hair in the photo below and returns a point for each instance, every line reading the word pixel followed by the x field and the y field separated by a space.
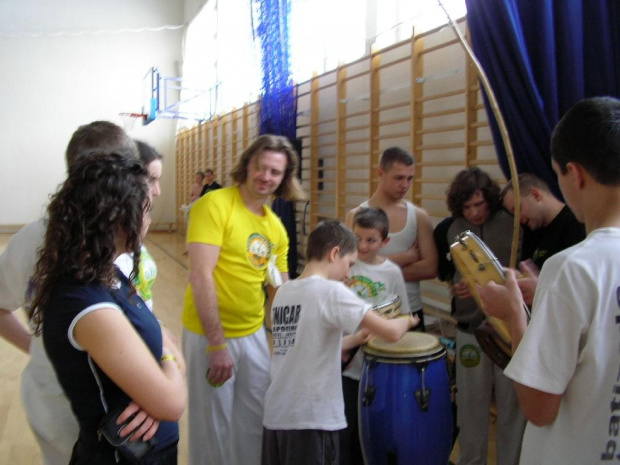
pixel 465 184
pixel 103 200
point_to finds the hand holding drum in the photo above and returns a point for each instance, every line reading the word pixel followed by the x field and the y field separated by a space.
pixel 477 265
pixel 528 280
pixel 503 301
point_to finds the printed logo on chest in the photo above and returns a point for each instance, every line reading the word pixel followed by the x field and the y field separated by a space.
pixel 258 250
pixel 365 287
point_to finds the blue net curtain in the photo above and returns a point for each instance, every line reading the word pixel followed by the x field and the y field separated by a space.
pixel 542 57
pixel 278 102
pixel 278 106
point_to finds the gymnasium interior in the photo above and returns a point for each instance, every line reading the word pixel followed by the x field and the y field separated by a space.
pixel 343 79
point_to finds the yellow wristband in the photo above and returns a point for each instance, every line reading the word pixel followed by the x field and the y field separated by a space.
pixel 216 348
pixel 166 357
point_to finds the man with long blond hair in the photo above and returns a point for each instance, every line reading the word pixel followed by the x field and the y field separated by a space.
pixel 232 238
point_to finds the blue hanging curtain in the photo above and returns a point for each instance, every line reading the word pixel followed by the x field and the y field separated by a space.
pixel 278 106
pixel 542 57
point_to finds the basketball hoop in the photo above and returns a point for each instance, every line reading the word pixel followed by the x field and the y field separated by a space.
pixel 129 120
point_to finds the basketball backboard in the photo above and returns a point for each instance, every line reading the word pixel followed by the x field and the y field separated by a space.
pixel 170 97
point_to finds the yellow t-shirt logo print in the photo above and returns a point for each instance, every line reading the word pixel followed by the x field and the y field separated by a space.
pixel 259 250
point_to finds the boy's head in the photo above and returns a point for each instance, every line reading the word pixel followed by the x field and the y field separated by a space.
pixel 393 155
pixel 396 171
pixel 332 242
pixel 371 227
pixel 589 134
pixel 538 205
pixel 100 136
pixel 585 154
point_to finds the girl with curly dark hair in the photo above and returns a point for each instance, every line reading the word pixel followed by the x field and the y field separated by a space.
pixel 104 344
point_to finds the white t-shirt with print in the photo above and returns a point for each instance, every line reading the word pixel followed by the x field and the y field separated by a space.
pixel 572 348
pixel 376 284
pixel 308 317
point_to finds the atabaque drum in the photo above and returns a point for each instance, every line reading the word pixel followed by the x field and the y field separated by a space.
pixel 405 410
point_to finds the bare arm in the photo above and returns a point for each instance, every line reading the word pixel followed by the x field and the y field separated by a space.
pixel 348 219
pixel 390 330
pixel 143 426
pixel 539 407
pixel 17 264
pixel 13 331
pixel 112 342
pixel 355 340
pixel 407 257
pixel 202 261
pixel 170 343
pixel 528 281
pixel 195 193
pixel 506 303
pixel 426 266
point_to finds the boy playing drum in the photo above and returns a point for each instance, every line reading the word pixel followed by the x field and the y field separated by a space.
pixel 304 408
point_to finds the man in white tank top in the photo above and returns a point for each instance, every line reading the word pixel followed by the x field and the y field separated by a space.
pixel 411 244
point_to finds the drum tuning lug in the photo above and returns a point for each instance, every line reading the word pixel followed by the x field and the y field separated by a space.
pixel 461 238
pixel 369 395
pixel 423 397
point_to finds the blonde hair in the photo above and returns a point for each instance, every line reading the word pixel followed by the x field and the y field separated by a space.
pixel 289 188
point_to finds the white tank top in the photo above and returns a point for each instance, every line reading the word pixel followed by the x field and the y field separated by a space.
pixel 401 241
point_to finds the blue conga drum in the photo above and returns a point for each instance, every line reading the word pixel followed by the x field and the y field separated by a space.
pixel 405 409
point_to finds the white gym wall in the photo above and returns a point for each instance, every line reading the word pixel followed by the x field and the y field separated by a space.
pixel 60 73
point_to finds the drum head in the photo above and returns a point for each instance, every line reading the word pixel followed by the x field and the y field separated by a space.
pixel 412 345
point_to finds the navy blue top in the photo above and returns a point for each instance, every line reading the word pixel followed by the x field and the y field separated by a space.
pixel 73 365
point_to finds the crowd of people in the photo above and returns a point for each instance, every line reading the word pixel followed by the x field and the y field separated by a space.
pixel 100 360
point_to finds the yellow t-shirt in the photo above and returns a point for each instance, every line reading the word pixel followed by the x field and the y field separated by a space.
pixel 247 242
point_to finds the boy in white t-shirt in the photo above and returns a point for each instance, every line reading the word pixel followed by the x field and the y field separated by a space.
pixel 565 362
pixel 378 281
pixel 304 408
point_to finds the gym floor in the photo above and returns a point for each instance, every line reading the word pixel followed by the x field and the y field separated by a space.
pixel 17 444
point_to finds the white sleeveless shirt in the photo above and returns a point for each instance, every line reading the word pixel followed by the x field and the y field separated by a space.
pixel 401 241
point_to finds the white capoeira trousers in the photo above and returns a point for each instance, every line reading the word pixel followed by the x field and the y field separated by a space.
pixel 226 423
pixel 477 379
